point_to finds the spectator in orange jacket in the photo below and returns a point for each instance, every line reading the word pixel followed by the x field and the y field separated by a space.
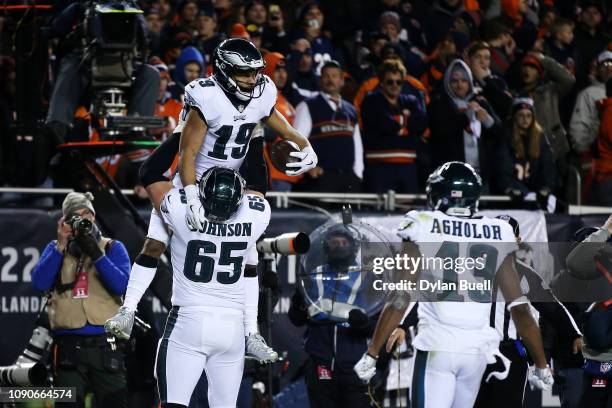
pixel 602 188
pixel 276 69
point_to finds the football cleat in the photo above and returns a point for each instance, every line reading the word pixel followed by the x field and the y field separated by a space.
pixel 120 325
pixel 257 349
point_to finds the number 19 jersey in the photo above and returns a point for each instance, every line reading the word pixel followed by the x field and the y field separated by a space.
pixel 456 317
pixel 208 264
pixel 230 125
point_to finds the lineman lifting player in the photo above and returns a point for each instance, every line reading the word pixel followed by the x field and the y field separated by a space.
pixel 215 129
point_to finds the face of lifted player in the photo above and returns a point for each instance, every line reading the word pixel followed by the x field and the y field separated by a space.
pixel 246 80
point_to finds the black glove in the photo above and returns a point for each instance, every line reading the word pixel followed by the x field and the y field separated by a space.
pixel 357 319
pixel 89 246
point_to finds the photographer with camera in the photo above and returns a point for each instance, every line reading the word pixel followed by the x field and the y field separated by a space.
pixel 86 273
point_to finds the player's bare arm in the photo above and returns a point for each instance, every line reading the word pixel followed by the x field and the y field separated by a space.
pixel 306 155
pixel 280 126
pixel 395 307
pixel 523 319
pixel 192 138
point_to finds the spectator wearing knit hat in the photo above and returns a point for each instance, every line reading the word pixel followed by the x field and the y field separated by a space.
pixel 524 159
pixel 546 82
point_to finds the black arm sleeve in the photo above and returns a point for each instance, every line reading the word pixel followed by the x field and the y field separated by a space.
pixel 152 170
pixel 254 169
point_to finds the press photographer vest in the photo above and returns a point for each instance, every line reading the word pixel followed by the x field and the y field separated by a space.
pixel 65 312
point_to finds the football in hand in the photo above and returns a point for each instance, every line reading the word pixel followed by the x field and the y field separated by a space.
pixel 279 154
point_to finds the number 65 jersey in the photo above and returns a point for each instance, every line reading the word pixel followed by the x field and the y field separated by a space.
pixel 455 317
pixel 208 264
pixel 230 123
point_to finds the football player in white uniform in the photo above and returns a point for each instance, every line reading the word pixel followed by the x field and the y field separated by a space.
pixel 454 341
pixel 216 126
pixel 205 328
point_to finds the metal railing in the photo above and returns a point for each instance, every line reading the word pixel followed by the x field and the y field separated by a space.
pixel 389 201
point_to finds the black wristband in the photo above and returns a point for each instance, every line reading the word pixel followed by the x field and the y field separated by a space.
pixel 146 260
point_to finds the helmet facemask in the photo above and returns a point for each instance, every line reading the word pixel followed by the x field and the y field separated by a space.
pixel 228 64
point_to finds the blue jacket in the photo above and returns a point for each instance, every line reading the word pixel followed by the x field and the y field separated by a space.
pixel 113 267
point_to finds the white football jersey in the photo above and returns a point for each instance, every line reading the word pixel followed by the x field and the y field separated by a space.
pixel 230 128
pixel 456 317
pixel 208 265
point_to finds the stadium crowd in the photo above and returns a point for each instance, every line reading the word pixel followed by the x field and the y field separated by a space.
pixel 387 90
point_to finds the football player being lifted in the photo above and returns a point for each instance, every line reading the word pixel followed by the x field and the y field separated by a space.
pixel 455 342
pixel 215 129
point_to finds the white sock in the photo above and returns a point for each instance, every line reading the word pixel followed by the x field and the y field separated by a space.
pixel 140 279
pixel 251 301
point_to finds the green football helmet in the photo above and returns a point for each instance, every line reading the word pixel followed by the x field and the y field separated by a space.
pixel 221 191
pixel 454 188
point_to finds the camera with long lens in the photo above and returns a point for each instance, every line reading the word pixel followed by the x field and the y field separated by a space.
pixel 286 244
pixel 28 370
pixel 80 225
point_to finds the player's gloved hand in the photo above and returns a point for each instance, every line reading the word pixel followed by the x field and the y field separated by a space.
pixel 365 367
pixel 89 246
pixel 120 325
pixel 308 160
pixel 540 378
pixel 195 213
